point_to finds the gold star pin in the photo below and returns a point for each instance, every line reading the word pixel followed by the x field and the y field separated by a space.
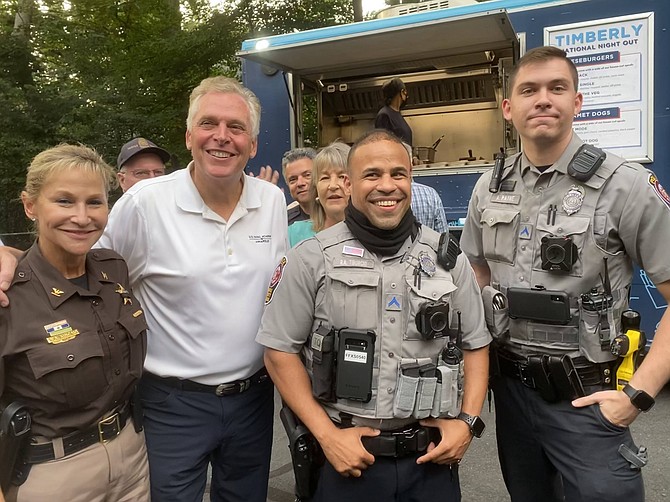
pixel 56 292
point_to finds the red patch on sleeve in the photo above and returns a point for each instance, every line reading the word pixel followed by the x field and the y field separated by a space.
pixel 275 280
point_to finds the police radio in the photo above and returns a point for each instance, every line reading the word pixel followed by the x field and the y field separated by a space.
pixel 586 162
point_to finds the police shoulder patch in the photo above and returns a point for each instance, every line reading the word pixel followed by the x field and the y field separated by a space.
pixel 275 280
pixel 658 189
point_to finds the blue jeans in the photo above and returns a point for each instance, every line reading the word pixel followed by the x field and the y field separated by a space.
pixel 186 430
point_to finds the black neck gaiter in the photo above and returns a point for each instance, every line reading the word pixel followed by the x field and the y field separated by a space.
pixel 378 240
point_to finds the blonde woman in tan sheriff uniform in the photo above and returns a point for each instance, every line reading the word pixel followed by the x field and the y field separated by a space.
pixel 72 342
pixel 370 297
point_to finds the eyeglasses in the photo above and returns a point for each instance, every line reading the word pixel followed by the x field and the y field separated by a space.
pixel 142 174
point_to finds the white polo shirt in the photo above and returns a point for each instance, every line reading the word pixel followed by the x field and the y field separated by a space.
pixel 201 280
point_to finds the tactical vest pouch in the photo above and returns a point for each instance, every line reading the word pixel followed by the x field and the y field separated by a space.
pixel 447 402
pixel 322 343
pixel 408 384
pixel 595 329
pixel 426 391
pixel 495 312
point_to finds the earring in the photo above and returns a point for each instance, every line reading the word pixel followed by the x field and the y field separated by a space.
pixel 32 219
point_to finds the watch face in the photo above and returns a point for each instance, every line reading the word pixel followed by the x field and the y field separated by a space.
pixel 642 401
pixel 477 427
pixel 639 398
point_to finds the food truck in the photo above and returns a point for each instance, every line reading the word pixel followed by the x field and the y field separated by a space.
pixel 454 57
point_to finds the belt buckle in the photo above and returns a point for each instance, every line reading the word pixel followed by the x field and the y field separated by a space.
pixel 405 442
pixel 110 420
pixel 224 388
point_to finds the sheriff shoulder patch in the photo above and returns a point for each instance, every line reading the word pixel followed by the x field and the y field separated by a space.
pixel 275 280
pixel 659 190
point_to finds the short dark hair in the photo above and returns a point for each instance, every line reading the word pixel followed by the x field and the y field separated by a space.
pixel 391 88
pixel 374 136
pixel 542 55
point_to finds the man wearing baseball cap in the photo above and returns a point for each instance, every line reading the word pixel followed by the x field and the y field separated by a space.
pixel 140 159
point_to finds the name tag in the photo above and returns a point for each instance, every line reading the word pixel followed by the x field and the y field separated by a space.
pixel 353 262
pixel 505 198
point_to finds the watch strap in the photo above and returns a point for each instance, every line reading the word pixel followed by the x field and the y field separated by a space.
pixel 639 398
pixel 471 421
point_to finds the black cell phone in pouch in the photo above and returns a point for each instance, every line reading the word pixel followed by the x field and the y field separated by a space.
pixel 355 359
pixel 539 305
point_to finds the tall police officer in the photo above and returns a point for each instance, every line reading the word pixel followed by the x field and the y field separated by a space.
pixel 373 289
pixel 558 239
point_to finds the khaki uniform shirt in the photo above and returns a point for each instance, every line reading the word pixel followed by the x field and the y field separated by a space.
pixel 71 355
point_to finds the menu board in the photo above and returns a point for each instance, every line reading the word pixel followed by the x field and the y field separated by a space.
pixel 613 57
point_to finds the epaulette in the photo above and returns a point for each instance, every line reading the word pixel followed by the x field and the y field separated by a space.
pixel 105 254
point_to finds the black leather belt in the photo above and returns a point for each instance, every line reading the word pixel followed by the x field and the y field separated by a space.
pixel 222 389
pixel 102 432
pixel 401 442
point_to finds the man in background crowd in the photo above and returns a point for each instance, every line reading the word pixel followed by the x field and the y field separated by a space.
pixel 389 116
pixel 140 159
pixel 297 166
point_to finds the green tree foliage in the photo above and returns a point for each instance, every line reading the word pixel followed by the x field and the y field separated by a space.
pixel 100 72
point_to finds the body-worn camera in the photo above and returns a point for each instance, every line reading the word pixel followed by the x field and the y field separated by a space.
pixel 432 320
pixel 558 253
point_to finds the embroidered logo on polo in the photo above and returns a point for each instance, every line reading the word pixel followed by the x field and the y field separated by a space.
pixel 275 280
pixel 659 190
pixel 260 239
pixel 60 332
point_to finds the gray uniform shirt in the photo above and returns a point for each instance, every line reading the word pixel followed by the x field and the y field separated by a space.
pixel 367 286
pixel 625 217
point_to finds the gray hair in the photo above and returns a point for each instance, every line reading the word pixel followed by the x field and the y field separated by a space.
pixel 225 85
pixel 333 155
pixel 296 154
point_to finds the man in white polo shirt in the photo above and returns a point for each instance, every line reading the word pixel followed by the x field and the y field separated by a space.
pixel 201 245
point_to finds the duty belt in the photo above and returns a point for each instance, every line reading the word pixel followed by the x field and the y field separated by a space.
pixel 102 432
pixel 401 442
pixel 222 389
pixel 590 374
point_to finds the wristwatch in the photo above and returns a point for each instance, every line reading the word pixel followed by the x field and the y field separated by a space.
pixel 475 423
pixel 639 398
